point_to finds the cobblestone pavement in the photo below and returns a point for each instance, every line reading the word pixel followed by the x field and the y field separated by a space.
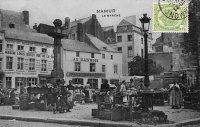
pixel 84 112
pixel 14 123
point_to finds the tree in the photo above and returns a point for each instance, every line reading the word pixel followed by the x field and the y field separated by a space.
pixel 137 67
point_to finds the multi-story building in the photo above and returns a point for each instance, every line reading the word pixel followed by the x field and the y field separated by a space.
pixel 89 51
pixel 91 61
pixel 130 41
pixel 26 56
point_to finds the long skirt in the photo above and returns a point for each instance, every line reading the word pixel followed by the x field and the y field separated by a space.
pixel 70 98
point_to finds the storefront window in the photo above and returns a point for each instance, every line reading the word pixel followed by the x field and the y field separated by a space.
pixel 8 82
pixel 113 81
pixel 92 67
pixel 93 83
pixel 9 62
pixel 20 63
pixel 19 82
pixel 32 81
pixel 77 66
pixel 44 65
pixel 31 64
pixel 77 81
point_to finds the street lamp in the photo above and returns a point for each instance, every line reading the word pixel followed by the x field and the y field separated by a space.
pixel 145 21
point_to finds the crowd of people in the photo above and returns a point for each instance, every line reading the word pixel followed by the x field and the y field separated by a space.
pixel 62 98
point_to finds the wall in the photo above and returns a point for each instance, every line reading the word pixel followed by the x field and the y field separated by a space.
pixel 26 54
pixel 164 59
pixel 85 66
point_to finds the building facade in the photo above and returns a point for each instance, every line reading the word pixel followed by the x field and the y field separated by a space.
pixel 86 63
pixel 130 41
pixel 26 57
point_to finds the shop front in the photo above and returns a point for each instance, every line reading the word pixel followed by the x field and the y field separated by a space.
pixel 94 79
pixel 44 79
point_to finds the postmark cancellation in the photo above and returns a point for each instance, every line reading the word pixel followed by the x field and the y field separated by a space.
pixel 170 17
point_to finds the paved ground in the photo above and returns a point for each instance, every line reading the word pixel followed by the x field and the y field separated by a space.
pixel 83 112
pixel 14 123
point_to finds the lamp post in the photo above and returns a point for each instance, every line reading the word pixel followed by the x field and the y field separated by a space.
pixel 145 21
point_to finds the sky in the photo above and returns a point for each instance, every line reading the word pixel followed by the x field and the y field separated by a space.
pixel 46 11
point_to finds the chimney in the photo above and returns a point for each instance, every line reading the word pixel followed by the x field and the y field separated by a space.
pixel 67 22
pixel 94 22
pixel 35 26
pixel 26 17
pixel 80 36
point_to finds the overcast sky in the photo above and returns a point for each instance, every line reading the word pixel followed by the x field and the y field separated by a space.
pixel 45 11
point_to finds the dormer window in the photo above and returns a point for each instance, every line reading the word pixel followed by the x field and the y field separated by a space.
pixel 105 48
pixel 11 25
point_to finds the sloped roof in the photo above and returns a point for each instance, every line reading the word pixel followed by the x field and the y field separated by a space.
pixel 107 28
pixel 28 36
pixel 158 42
pixel 129 20
pixel 74 23
pixel 102 46
pixel 73 45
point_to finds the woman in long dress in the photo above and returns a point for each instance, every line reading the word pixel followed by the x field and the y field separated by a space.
pixel 175 96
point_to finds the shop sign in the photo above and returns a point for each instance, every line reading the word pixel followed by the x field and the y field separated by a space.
pixel 85 60
pixel 20 73
pixel 30 54
pixel 21 53
pixel 96 75
pixel 10 52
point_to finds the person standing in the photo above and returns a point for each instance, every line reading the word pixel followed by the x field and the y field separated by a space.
pixel 175 96
pixel 123 91
pixel 105 87
pixel 71 90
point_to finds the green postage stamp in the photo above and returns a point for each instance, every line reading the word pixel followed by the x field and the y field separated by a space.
pixel 170 17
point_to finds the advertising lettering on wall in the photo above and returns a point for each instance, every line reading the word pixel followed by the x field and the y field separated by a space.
pixel 31 54
pixel 85 60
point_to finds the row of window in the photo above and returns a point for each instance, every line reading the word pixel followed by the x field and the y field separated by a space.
pixel 92 55
pixel 78 54
pixel 21 48
pixel 20 64
pixel 130 51
pixel 129 38
pixel 19 82
pixel 77 67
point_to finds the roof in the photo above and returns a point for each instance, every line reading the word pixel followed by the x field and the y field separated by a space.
pixel 28 36
pixel 107 28
pixel 158 42
pixel 129 20
pixel 8 16
pixel 74 23
pixel 102 46
pixel 73 45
